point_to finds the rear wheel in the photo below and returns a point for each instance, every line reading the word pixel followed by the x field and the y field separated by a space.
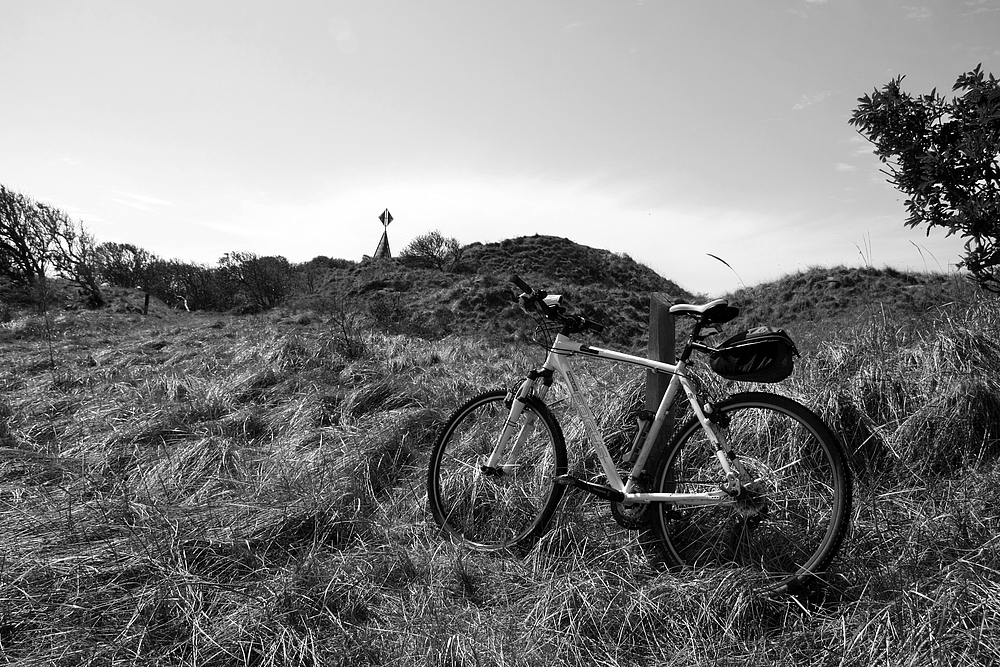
pixel 493 509
pixel 792 514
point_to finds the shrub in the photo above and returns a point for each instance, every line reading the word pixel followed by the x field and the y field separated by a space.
pixel 191 286
pixel 124 264
pixel 263 282
pixel 433 251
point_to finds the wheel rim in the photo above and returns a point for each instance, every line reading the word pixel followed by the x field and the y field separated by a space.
pixel 494 511
pixel 784 526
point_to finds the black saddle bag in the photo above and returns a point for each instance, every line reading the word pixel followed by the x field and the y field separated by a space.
pixel 763 354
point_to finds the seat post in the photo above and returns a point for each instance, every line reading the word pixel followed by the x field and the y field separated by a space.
pixel 692 337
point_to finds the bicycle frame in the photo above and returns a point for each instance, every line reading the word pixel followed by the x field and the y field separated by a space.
pixel 558 361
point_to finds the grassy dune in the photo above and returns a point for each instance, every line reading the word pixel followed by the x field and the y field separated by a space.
pixel 231 490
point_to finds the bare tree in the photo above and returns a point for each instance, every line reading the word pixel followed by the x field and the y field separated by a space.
pixel 26 237
pixel 74 255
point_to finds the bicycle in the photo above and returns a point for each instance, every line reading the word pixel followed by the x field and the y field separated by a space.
pixel 755 480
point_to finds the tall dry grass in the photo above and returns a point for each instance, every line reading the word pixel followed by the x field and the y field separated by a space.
pixel 228 491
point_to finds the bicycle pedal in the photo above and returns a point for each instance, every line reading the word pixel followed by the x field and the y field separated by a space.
pixel 599 490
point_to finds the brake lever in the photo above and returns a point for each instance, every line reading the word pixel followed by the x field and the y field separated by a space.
pixel 527 303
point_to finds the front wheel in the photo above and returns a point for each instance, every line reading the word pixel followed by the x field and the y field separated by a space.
pixel 506 505
pixel 792 513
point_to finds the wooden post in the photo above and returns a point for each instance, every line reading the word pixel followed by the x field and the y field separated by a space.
pixel 661 348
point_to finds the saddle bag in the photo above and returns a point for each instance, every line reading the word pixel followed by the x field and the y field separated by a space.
pixel 763 354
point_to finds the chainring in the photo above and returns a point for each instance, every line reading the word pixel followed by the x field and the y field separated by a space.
pixel 632 516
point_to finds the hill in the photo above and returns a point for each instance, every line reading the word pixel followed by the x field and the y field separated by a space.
pixel 817 303
pixel 560 261
pixel 478 297
pixel 613 289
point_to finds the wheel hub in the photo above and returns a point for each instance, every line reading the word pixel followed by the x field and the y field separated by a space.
pixel 752 506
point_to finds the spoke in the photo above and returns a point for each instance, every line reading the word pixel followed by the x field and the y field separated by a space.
pixel 782 522
pixel 777 470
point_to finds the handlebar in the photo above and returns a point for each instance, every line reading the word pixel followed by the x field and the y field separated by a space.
pixel 535 300
pixel 714 312
pixel 525 287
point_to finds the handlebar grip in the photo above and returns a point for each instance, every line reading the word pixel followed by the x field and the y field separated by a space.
pixel 525 287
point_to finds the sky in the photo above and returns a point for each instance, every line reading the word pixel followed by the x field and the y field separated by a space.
pixel 669 130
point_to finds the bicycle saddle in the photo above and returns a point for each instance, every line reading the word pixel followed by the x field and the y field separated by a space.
pixel 717 310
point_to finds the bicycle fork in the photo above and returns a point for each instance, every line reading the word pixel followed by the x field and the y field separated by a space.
pixel 497 463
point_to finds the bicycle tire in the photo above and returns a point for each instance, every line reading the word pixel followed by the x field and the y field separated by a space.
pixel 503 510
pixel 790 526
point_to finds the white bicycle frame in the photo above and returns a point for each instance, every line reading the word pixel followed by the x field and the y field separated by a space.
pixel 558 361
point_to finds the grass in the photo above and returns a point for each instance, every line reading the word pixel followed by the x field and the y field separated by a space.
pixel 220 490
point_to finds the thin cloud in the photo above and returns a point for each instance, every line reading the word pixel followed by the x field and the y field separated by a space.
pixel 844 167
pixel 74 212
pixel 574 26
pixel 236 230
pixel 982 10
pixel 131 204
pixel 860 146
pixel 918 13
pixel 802 13
pixel 343 33
pixel 811 99
pixel 977 7
pixel 879 177
pixel 137 201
